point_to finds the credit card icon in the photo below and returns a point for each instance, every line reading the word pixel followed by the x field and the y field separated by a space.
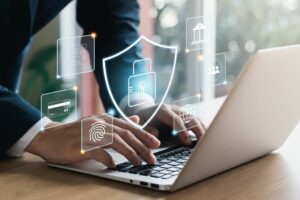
pixel 59 108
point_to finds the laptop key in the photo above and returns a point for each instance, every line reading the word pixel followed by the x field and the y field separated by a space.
pixel 159 164
pixel 158 168
pixel 158 159
pixel 137 169
pixel 124 166
pixel 149 166
pixel 165 172
pixel 146 172
pixel 165 161
pixel 134 171
pixel 172 158
pixel 157 175
pixel 167 176
pixel 175 173
pixel 181 160
pixel 179 166
pixel 125 169
pixel 173 169
pixel 163 156
pixel 174 163
pixel 166 166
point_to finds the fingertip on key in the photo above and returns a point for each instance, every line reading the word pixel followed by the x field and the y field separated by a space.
pixel 156 143
pixel 186 139
pixel 153 160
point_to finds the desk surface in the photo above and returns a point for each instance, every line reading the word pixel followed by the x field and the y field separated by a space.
pixel 276 176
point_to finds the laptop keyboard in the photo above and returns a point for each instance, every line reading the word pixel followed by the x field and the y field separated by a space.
pixel 169 163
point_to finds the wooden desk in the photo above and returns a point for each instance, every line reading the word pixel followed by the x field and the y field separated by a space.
pixel 276 176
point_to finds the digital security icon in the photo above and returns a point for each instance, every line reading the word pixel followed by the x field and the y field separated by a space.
pixel 198 33
pixel 189 112
pixel 186 113
pixel 59 106
pixel 96 132
pixel 214 70
pixel 142 87
pixel 139 87
pixel 75 55
pixel 79 53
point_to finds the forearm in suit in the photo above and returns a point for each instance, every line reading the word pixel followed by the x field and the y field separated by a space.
pixel 116 24
pixel 16 117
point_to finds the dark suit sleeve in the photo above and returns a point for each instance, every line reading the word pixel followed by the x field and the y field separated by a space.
pixel 116 24
pixel 16 118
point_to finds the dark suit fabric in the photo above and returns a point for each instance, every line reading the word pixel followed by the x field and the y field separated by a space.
pixel 115 22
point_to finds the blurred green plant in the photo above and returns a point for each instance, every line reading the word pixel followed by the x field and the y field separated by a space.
pixel 41 77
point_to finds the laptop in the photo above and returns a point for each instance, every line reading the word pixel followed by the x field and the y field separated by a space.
pixel 256 118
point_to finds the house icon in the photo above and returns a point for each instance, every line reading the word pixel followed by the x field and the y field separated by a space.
pixel 198 33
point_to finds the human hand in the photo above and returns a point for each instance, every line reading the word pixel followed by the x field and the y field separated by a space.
pixel 62 144
pixel 165 116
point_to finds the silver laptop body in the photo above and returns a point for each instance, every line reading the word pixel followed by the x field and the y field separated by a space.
pixel 256 118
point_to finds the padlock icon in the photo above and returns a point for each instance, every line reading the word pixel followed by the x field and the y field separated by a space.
pixel 142 86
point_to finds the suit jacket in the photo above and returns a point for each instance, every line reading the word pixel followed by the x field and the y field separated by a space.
pixel 115 22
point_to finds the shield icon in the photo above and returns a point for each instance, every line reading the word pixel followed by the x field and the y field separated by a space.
pixel 134 81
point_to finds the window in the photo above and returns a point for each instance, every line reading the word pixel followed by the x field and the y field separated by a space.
pixel 240 28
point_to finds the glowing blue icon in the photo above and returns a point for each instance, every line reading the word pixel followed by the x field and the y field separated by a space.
pixel 174 133
pixel 142 87
pixel 111 112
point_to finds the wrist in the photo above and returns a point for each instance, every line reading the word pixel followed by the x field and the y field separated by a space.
pixel 37 146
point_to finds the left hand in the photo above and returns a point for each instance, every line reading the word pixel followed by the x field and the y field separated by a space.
pixel 165 116
pixel 61 144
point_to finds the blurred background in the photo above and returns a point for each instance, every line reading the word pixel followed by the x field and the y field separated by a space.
pixel 240 28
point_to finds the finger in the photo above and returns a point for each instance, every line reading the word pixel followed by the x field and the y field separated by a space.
pixel 153 131
pixel 146 138
pixel 144 152
pixel 183 134
pixel 196 125
pixel 170 118
pixel 102 156
pixel 123 148
pixel 135 119
pixel 149 140
pixel 203 125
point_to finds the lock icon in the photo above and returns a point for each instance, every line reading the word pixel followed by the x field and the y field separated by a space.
pixel 142 87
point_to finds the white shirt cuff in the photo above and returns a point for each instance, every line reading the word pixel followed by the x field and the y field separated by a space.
pixel 18 148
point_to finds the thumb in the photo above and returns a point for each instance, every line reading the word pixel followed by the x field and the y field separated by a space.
pixel 135 119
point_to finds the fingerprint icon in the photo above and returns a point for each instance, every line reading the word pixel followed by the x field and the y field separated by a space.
pixel 97 132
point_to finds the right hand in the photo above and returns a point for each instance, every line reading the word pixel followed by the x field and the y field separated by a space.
pixel 62 144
